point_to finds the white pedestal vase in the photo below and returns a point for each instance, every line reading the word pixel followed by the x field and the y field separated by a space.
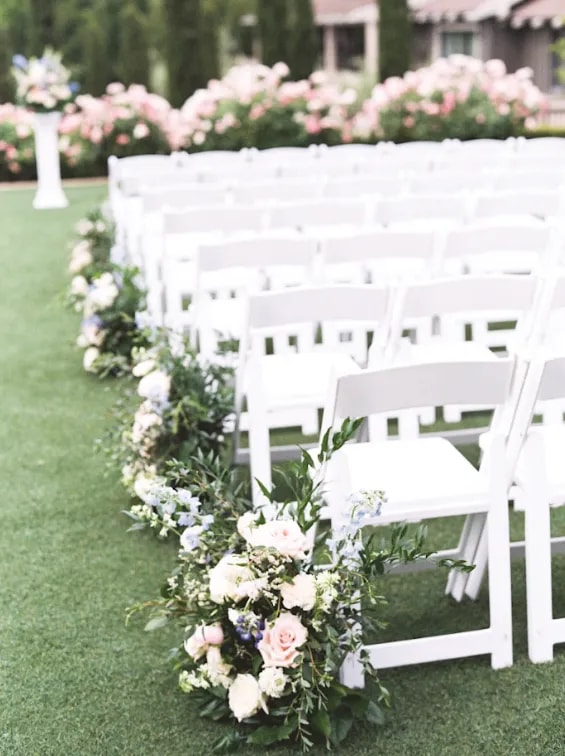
pixel 49 189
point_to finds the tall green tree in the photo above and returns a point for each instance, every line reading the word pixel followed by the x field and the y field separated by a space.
pixel 7 84
pixel 272 23
pixel 183 23
pixel 303 40
pixel 97 69
pixel 133 46
pixel 395 38
pixel 43 25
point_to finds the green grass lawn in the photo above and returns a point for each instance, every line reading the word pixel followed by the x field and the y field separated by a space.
pixel 74 681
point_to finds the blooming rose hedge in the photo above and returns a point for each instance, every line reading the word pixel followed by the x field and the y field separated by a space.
pixel 255 106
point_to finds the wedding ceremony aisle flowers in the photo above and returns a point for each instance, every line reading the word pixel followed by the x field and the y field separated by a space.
pixel 90 254
pixel 43 84
pixel 184 407
pixel 270 613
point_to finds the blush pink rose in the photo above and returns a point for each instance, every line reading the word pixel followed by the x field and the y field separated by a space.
pixel 281 641
pixel 203 637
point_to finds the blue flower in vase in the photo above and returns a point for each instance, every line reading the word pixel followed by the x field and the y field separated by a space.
pixel 74 86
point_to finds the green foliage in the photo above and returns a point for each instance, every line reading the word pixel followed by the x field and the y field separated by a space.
pixel 7 86
pixel 272 22
pixel 97 64
pixel 395 37
pixel 133 67
pixel 184 48
pixel 559 49
pixel 303 41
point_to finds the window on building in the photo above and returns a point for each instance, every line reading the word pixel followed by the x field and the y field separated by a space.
pixel 350 42
pixel 558 61
pixel 457 43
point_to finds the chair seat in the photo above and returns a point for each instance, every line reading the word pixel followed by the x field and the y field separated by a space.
pixel 422 478
pixel 301 379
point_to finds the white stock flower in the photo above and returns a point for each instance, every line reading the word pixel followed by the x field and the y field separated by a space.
pixel 300 593
pixel 155 386
pixel 245 698
pixel 81 256
pixel 218 670
pixel 103 293
pixel 226 578
pixel 79 286
pixel 144 484
pixel 89 358
pixel 273 681
pixel 144 367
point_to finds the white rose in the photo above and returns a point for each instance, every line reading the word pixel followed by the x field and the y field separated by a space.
pixel 79 286
pixel 89 358
pixel 273 681
pixel 283 535
pixel 155 386
pixel 144 484
pixel 300 593
pixel 102 296
pixel 144 367
pixel 245 697
pixel 246 524
pixel 226 578
pixel 80 257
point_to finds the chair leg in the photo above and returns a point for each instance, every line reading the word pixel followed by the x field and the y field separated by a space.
pixel 500 584
pixel 259 440
pixel 351 672
pixel 470 538
pixel 538 555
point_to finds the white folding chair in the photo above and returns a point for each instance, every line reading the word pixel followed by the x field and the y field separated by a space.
pixel 532 203
pixel 359 186
pixel 314 331
pixel 499 247
pixel 452 318
pixel 540 484
pixel 382 257
pixel 277 190
pixel 431 212
pixel 320 213
pixel 227 272
pixel 428 478
pixel 553 147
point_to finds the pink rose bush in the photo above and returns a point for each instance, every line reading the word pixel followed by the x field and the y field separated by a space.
pixel 17 149
pixel 254 106
pixel 268 619
pixel 458 97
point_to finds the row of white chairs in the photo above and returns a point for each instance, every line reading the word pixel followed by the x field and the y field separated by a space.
pixel 217 273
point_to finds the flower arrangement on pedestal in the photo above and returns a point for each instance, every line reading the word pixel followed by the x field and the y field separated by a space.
pixel 271 613
pixel 43 84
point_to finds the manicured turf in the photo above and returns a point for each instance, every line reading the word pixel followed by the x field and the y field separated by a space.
pixel 74 681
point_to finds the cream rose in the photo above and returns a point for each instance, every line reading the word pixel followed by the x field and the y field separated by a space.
pixel 79 286
pixel 273 681
pixel 81 256
pixel 245 697
pixel 144 367
pixel 227 577
pixel 281 641
pixel 155 386
pixel 89 358
pixel 300 593
pixel 283 535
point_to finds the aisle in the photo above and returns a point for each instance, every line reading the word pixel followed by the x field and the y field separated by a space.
pixel 73 679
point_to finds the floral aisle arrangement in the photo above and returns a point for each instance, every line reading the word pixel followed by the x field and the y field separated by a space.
pixel 253 106
pixel 270 615
pixel 110 328
pixel 458 97
pixel 90 254
pixel 43 84
pixel 183 411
